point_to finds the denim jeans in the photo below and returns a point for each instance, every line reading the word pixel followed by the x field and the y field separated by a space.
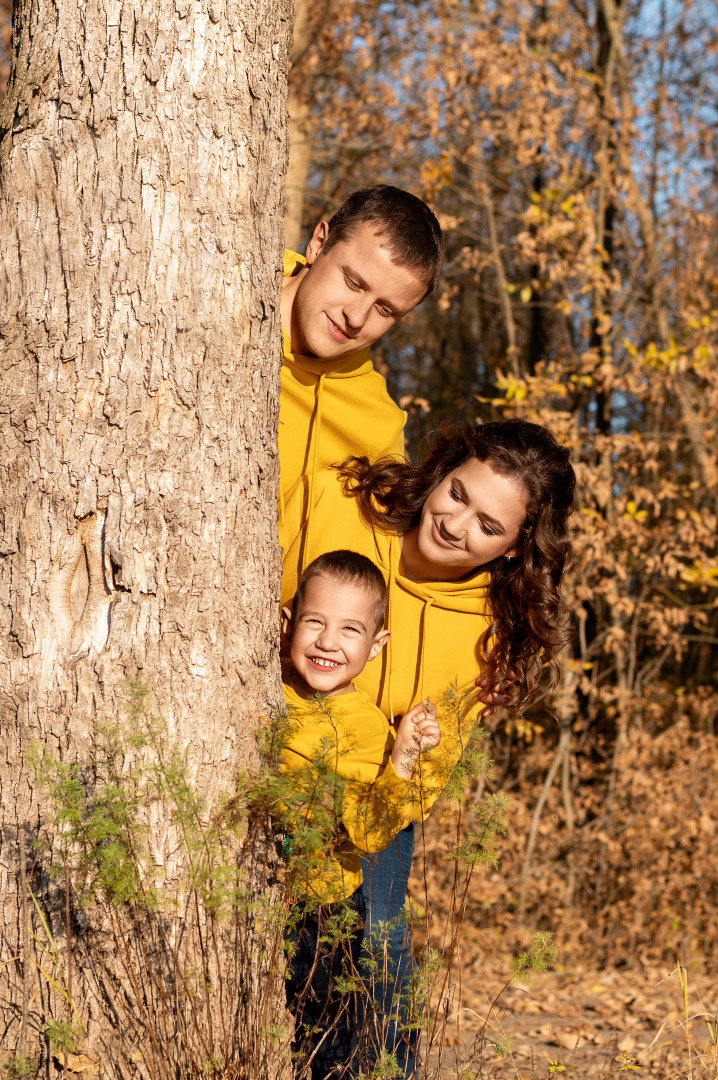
pixel 388 959
pixel 325 1017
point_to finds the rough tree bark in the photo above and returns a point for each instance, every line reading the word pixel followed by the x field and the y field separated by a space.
pixel 142 170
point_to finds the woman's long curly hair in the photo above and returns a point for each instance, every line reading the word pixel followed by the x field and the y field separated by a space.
pixel 530 620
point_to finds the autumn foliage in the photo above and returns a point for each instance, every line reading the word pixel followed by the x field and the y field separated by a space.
pixel 568 149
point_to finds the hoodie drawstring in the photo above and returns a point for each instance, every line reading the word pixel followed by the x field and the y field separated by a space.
pixel 316 424
pixel 390 612
pixel 422 646
pixel 428 602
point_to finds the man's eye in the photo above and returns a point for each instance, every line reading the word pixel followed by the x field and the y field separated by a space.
pixel 385 311
pixel 351 283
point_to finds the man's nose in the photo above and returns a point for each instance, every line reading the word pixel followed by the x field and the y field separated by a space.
pixel 356 311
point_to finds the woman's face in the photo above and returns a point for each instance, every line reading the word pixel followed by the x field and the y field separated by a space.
pixel 473 516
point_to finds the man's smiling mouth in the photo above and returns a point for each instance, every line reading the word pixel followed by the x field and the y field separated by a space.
pixel 336 331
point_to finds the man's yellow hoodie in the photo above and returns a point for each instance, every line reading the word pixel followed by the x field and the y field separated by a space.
pixel 338 755
pixel 435 626
pixel 331 409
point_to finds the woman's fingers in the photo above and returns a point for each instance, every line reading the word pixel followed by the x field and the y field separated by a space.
pixel 497 696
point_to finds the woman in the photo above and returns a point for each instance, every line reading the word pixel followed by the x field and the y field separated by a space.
pixel 472 542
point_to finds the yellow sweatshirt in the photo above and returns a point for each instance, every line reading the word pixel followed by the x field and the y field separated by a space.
pixel 435 626
pixel 330 409
pixel 338 752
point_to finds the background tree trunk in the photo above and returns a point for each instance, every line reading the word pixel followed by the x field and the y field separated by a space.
pixel 142 165
pixel 299 95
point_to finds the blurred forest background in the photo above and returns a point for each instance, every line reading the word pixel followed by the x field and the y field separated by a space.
pixel 569 150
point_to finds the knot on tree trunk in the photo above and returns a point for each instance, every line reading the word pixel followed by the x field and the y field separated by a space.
pixel 77 592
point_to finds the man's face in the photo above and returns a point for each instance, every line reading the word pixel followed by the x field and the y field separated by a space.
pixel 349 296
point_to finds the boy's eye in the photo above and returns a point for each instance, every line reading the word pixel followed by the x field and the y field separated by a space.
pixel 351 629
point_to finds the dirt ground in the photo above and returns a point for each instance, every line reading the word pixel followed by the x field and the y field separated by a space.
pixel 579 1023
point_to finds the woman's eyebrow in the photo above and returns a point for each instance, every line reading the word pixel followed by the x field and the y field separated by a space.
pixel 497 526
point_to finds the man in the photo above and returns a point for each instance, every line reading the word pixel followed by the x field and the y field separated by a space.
pixel 372 262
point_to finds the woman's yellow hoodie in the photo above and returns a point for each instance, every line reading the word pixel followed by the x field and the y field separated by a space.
pixel 435 626
pixel 331 409
pixel 338 754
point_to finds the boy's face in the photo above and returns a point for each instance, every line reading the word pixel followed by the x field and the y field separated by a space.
pixel 350 295
pixel 333 634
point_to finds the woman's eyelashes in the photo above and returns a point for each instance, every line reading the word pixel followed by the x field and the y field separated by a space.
pixel 458 497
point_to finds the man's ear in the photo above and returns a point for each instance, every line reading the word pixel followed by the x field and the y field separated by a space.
pixel 286 618
pixel 378 643
pixel 317 242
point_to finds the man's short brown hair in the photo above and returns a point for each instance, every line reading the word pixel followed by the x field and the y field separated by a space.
pixel 347 568
pixel 412 233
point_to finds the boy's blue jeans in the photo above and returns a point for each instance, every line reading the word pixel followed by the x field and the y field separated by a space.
pixel 388 958
pixel 325 1017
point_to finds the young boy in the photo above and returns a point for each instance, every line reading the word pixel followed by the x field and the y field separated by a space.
pixel 334 629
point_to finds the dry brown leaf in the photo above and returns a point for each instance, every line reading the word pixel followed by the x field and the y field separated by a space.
pixel 572 1038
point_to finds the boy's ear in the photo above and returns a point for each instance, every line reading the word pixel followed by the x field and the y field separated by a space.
pixel 378 643
pixel 286 619
pixel 317 242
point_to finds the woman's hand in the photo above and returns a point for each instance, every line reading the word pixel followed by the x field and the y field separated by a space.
pixel 417 732
pixel 498 696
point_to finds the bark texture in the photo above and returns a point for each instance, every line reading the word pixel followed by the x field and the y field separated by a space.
pixel 142 170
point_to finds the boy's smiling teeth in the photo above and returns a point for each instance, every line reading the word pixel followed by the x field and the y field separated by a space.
pixel 323 662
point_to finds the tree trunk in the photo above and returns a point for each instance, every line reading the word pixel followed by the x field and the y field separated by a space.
pixel 299 92
pixel 142 169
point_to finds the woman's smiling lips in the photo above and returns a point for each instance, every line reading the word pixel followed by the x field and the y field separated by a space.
pixel 440 538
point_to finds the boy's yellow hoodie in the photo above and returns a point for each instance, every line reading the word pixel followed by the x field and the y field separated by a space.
pixel 435 626
pixel 338 752
pixel 331 409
